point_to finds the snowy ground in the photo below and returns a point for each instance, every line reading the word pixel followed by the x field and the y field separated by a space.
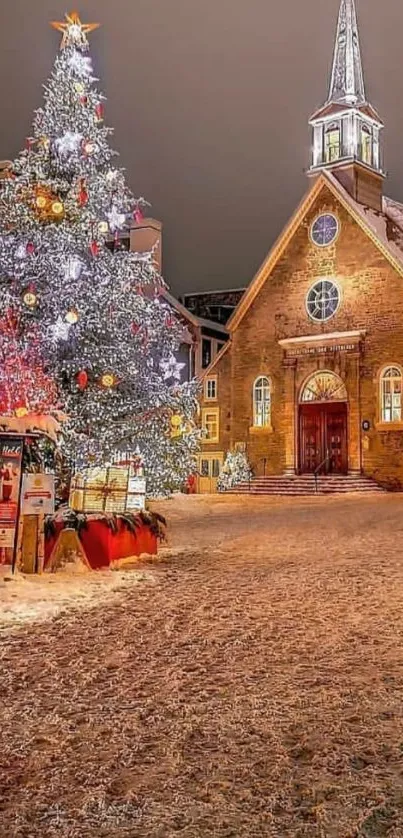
pixel 247 682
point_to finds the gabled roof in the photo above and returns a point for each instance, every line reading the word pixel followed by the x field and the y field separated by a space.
pixel 385 229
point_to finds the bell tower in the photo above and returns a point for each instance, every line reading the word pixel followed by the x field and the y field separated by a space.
pixel 346 129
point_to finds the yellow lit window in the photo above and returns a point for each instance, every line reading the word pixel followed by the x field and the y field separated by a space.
pixel 210 424
pixel 391 395
pixel 261 402
pixel 332 143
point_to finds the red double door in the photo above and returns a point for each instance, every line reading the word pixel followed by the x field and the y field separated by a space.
pixel 323 438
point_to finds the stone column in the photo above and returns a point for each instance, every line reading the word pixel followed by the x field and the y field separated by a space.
pixel 289 415
pixel 354 415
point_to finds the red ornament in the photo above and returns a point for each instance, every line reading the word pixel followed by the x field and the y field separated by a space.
pixel 138 215
pixel 30 248
pixel 94 248
pixel 169 321
pixel 99 111
pixel 135 328
pixel 83 100
pixel 83 194
pixel 82 379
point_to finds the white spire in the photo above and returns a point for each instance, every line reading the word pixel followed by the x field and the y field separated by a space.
pixel 347 82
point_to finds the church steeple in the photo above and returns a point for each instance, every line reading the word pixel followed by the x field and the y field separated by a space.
pixel 346 129
pixel 347 81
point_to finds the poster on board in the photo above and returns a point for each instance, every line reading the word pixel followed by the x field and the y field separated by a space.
pixel 10 482
pixel 38 494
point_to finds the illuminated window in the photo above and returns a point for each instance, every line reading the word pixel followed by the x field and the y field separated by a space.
pixel 323 300
pixel 332 143
pixel 366 145
pixel 261 402
pixel 210 424
pixel 391 395
pixel 324 229
pixel 210 388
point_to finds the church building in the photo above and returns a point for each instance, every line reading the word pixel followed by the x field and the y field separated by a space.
pixel 310 381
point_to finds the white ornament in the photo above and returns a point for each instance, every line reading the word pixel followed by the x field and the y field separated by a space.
pixel 81 64
pixel 69 143
pixel 111 175
pixel 116 219
pixel 21 252
pixel 73 268
pixel 60 330
pixel 171 368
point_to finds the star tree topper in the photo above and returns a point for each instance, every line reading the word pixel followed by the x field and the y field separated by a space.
pixel 74 32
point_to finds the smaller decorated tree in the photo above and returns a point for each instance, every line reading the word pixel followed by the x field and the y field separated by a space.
pixel 236 470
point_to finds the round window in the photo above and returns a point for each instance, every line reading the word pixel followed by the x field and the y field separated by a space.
pixel 324 229
pixel 323 300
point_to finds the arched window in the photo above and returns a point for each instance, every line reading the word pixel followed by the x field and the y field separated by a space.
pixel 332 142
pixel 324 386
pixel 391 395
pixel 366 144
pixel 261 402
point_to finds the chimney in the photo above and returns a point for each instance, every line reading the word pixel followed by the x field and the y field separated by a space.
pixel 146 235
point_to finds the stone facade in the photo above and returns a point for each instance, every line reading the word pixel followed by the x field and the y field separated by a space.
pixel 275 337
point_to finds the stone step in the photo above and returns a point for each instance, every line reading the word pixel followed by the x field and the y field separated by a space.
pixel 304 484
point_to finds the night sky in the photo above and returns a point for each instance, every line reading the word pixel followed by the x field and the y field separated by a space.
pixel 209 102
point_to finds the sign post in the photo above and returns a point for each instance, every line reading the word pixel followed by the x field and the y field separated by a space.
pixel 11 453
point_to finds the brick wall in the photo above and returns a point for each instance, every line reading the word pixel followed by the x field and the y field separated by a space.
pixel 372 300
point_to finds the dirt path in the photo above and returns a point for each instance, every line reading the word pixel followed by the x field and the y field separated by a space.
pixel 250 685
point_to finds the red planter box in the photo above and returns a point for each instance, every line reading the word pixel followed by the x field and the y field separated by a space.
pixel 102 546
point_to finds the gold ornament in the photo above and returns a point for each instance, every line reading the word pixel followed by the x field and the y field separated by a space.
pixel 41 202
pixel 29 298
pixel 176 426
pixel 108 380
pixel 79 87
pixel 57 208
pixel 72 316
pixel 47 205
pixel 103 227
pixel 20 412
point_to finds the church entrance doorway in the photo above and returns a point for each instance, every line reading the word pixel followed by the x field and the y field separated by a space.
pixel 323 425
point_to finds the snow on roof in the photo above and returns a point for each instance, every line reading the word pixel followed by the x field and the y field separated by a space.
pixel 386 226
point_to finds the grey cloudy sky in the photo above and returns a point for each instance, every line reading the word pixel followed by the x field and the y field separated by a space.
pixel 209 101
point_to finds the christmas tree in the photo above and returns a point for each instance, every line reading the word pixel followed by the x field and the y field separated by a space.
pixel 236 470
pixel 104 332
